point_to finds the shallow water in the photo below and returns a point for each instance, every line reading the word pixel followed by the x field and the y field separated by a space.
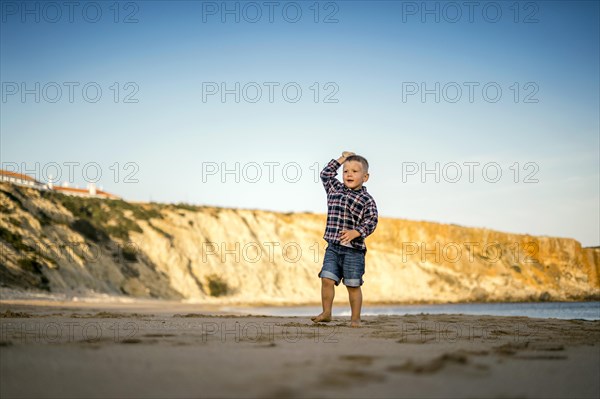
pixel 557 310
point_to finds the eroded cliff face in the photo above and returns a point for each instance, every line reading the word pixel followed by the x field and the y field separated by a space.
pixel 71 245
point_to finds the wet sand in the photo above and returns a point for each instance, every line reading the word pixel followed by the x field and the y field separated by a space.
pixel 156 350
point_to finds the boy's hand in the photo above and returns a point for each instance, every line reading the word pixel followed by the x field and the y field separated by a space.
pixel 349 235
pixel 345 155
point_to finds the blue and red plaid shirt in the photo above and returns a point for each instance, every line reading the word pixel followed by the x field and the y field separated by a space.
pixel 347 209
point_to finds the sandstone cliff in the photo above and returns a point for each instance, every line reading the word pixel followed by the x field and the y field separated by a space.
pixel 63 244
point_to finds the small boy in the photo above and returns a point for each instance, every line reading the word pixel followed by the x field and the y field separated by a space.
pixel 351 217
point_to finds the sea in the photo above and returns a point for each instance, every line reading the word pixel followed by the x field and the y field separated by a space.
pixel 551 310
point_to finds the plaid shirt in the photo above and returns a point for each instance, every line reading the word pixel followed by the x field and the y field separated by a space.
pixel 347 209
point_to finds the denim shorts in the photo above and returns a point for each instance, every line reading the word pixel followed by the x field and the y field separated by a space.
pixel 343 262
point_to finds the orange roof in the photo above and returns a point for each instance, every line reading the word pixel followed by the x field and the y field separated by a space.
pixel 83 191
pixel 73 189
pixel 17 175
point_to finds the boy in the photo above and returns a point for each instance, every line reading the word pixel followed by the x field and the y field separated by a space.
pixel 351 217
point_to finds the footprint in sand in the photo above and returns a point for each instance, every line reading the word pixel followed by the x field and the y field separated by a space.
pixel 363 360
pixel 432 366
pixel 131 341
pixel 159 335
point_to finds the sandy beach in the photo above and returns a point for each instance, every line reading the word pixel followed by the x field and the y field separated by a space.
pixel 63 349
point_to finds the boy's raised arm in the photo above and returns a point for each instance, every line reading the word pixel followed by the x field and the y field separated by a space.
pixel 329 172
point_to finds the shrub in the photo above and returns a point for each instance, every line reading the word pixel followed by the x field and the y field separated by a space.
pixel 129 254
pixel 89 231
pixel 108 215
pixel 217 286
pixel 30 265
pixel 14 239
pixel 186 206
pixel 13 198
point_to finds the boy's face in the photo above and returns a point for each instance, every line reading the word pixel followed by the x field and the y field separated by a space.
pixel 354 176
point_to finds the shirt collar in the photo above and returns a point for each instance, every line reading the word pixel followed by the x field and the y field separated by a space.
pixel 362 189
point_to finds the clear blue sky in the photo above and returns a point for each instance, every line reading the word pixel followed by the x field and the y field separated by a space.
pixel 372 56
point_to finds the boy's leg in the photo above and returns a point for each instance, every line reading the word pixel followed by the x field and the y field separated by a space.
pixel 330 275
pixel 327 295
pixel 355 296
pixel 354 269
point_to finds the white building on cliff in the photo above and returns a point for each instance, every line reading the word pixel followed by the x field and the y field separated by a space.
pixel 28 181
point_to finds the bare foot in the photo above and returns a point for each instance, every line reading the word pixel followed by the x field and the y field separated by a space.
pixel 322 318
pixel 354 323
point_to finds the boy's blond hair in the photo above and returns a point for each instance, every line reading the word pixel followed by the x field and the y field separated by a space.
pixel 361 159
